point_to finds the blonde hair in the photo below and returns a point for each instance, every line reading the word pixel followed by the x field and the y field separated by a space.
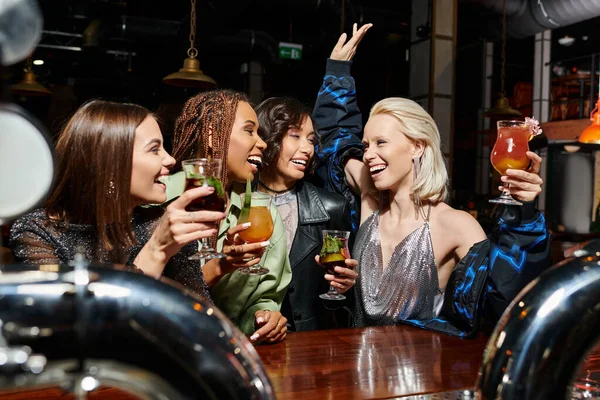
pixel 431 183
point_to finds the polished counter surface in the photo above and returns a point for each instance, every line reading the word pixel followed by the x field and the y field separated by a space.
pixel 374 362
pixel 363 363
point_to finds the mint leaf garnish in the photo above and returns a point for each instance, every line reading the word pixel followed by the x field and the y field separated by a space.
pixel 331 245
pixel 216 183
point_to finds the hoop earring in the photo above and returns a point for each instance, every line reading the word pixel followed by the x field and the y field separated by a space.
pixel 416 171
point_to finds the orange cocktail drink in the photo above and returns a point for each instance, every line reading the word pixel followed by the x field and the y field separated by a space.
pixel 256 211
pixel 510 152
pixel 511 146
pixel 261 225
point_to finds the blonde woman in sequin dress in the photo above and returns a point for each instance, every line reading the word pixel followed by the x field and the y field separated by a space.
pixel 421 261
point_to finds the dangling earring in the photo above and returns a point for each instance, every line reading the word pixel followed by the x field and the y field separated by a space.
pixel 111 187
pixel 416 170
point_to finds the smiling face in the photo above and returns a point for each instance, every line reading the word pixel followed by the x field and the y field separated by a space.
pixel 297 150
pixel 245 146
pixel 150 162
pixel 388 153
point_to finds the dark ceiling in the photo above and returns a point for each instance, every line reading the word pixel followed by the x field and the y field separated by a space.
pixel 228 32
pixel 121 49
pixel 129 46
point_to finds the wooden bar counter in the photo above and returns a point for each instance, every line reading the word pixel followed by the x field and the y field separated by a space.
pixel 368 363
pixel 363 363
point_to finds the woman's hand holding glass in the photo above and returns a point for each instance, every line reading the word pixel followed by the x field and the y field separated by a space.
pixel 177 228
pixel 345 278
pixel 524 185
pixel 515 163
pixel 238 253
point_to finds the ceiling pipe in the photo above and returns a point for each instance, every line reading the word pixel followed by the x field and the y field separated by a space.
pixel 528 17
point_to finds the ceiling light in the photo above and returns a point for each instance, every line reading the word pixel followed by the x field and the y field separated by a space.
pixel 571 148
pixel 501 108
pixel 566 41
pixel 191 75
pixel 38 62
pixel 29 86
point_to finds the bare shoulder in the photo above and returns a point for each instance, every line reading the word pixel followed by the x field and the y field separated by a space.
pixel 457 222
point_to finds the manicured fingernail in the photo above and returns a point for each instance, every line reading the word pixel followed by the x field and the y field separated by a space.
pixel 260 320
pixel 265 244
pixel 210 189
pixel 246 224
pixel 254 337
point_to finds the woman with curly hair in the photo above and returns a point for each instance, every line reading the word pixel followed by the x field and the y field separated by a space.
pixel 222 124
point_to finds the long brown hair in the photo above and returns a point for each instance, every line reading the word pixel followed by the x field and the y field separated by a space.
pixel 206 118
pixel 94 154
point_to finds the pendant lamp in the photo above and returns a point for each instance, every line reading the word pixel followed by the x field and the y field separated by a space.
pixel 191 75
pixel 501 109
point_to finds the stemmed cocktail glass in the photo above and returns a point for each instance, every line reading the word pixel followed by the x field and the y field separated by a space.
pixel 512 144
pixel 205 172
pixel 261 226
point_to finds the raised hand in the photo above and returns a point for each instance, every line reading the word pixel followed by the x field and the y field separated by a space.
pixel 345 51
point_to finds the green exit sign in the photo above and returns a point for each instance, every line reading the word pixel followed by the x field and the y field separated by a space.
pixel 290 51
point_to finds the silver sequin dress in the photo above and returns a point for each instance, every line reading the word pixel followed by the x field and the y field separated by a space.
pixel 406 289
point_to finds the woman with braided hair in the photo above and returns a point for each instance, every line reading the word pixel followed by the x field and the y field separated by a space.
pixel 222 124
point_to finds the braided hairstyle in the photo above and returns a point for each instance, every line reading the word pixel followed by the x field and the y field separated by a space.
pixel 204 127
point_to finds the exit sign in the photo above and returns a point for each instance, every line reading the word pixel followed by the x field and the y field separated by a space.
pixel 290 51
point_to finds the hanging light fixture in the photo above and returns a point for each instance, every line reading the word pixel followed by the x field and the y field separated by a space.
pixel 29 86
pixel 191 75
pixel 501 108
pixel 591 134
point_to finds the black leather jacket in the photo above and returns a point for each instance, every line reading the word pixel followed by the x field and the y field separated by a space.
pixel 318 209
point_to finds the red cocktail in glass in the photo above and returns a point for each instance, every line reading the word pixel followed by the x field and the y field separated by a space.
pixel 509 152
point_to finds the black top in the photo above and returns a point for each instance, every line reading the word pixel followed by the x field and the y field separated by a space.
pixel 36 239
pixel 318 209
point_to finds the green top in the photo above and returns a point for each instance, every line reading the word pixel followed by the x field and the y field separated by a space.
pixel 240 296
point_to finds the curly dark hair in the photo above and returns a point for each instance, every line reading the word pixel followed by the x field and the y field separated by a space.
pixel 277 115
